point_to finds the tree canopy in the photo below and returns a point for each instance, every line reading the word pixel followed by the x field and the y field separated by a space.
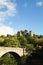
pixel 22 39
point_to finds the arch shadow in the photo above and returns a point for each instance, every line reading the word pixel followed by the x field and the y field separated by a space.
pixel 16 56
pixel 34 59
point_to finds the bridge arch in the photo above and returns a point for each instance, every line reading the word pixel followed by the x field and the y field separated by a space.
pixel 4 50
pixel 34 59
pixel 15 55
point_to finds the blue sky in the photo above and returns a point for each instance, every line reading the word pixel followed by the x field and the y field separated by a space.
pixel 16 15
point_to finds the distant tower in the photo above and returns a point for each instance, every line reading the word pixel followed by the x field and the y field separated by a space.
pixel 19 34
pixel 31 33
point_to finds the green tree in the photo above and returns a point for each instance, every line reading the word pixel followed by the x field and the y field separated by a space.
pixel 8 59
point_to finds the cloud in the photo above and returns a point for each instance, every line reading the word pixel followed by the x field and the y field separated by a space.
pixel 7 9
pixel 1 19
pixel 39 3
pixel 4 30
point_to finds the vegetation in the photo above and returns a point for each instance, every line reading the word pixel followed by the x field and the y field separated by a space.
pixel 8 59
pixel 35 58
pixel 22 39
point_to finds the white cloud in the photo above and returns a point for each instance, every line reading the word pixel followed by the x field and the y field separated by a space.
pixel 1 19
pixel 4 30
pixel 39 3
pixel 11 9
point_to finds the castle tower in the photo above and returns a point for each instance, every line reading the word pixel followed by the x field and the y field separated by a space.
pixel 31 33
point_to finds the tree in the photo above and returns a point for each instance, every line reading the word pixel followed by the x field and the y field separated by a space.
pixel 8 59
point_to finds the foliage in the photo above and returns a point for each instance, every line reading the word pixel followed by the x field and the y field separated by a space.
pixel 21 39
pixel 8 59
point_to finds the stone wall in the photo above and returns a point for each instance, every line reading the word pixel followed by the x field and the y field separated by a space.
pixel 4 50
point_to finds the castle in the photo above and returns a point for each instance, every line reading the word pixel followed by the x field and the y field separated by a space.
pixel 30 33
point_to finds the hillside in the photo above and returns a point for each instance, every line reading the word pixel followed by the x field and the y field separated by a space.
pixel 22 39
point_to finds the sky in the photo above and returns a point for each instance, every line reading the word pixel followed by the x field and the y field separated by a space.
pixel 17 15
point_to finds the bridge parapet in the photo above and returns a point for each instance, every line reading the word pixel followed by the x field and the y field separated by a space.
pixel 4 50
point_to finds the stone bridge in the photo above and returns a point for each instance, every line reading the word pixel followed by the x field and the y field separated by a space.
pixel 18 51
